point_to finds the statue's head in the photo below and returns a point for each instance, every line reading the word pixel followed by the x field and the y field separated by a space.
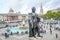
pixel 33 9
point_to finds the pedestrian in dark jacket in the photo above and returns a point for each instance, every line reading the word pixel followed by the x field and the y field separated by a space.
pixel 56 35
pixel 6 35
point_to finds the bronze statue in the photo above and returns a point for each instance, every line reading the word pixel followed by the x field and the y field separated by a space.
pixel 33 21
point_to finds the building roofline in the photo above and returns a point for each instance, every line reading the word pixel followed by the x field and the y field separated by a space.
pixel 13 14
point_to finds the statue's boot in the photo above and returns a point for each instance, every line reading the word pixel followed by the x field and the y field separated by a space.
pixel 40 36
pixel 30 35
pixel 34 36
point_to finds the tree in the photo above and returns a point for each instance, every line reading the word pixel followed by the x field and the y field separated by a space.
pixel 50 14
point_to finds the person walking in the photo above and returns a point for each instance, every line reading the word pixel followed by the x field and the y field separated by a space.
pixel 56 35
pixel 50 31
pixel 6 35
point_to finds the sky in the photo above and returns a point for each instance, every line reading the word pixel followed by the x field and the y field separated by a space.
pixel 24 6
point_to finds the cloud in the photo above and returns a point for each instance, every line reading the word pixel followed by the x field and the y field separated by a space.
pixel 52 4
pixel 6 4
pixel 24 6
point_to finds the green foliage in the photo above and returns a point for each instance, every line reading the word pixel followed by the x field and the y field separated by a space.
pixel 51 14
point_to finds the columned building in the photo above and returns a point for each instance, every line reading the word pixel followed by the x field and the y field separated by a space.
pixel 13 17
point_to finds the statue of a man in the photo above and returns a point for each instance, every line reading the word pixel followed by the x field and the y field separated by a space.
pixel 33 20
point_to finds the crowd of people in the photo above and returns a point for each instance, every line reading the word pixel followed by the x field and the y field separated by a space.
pixel 50 28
